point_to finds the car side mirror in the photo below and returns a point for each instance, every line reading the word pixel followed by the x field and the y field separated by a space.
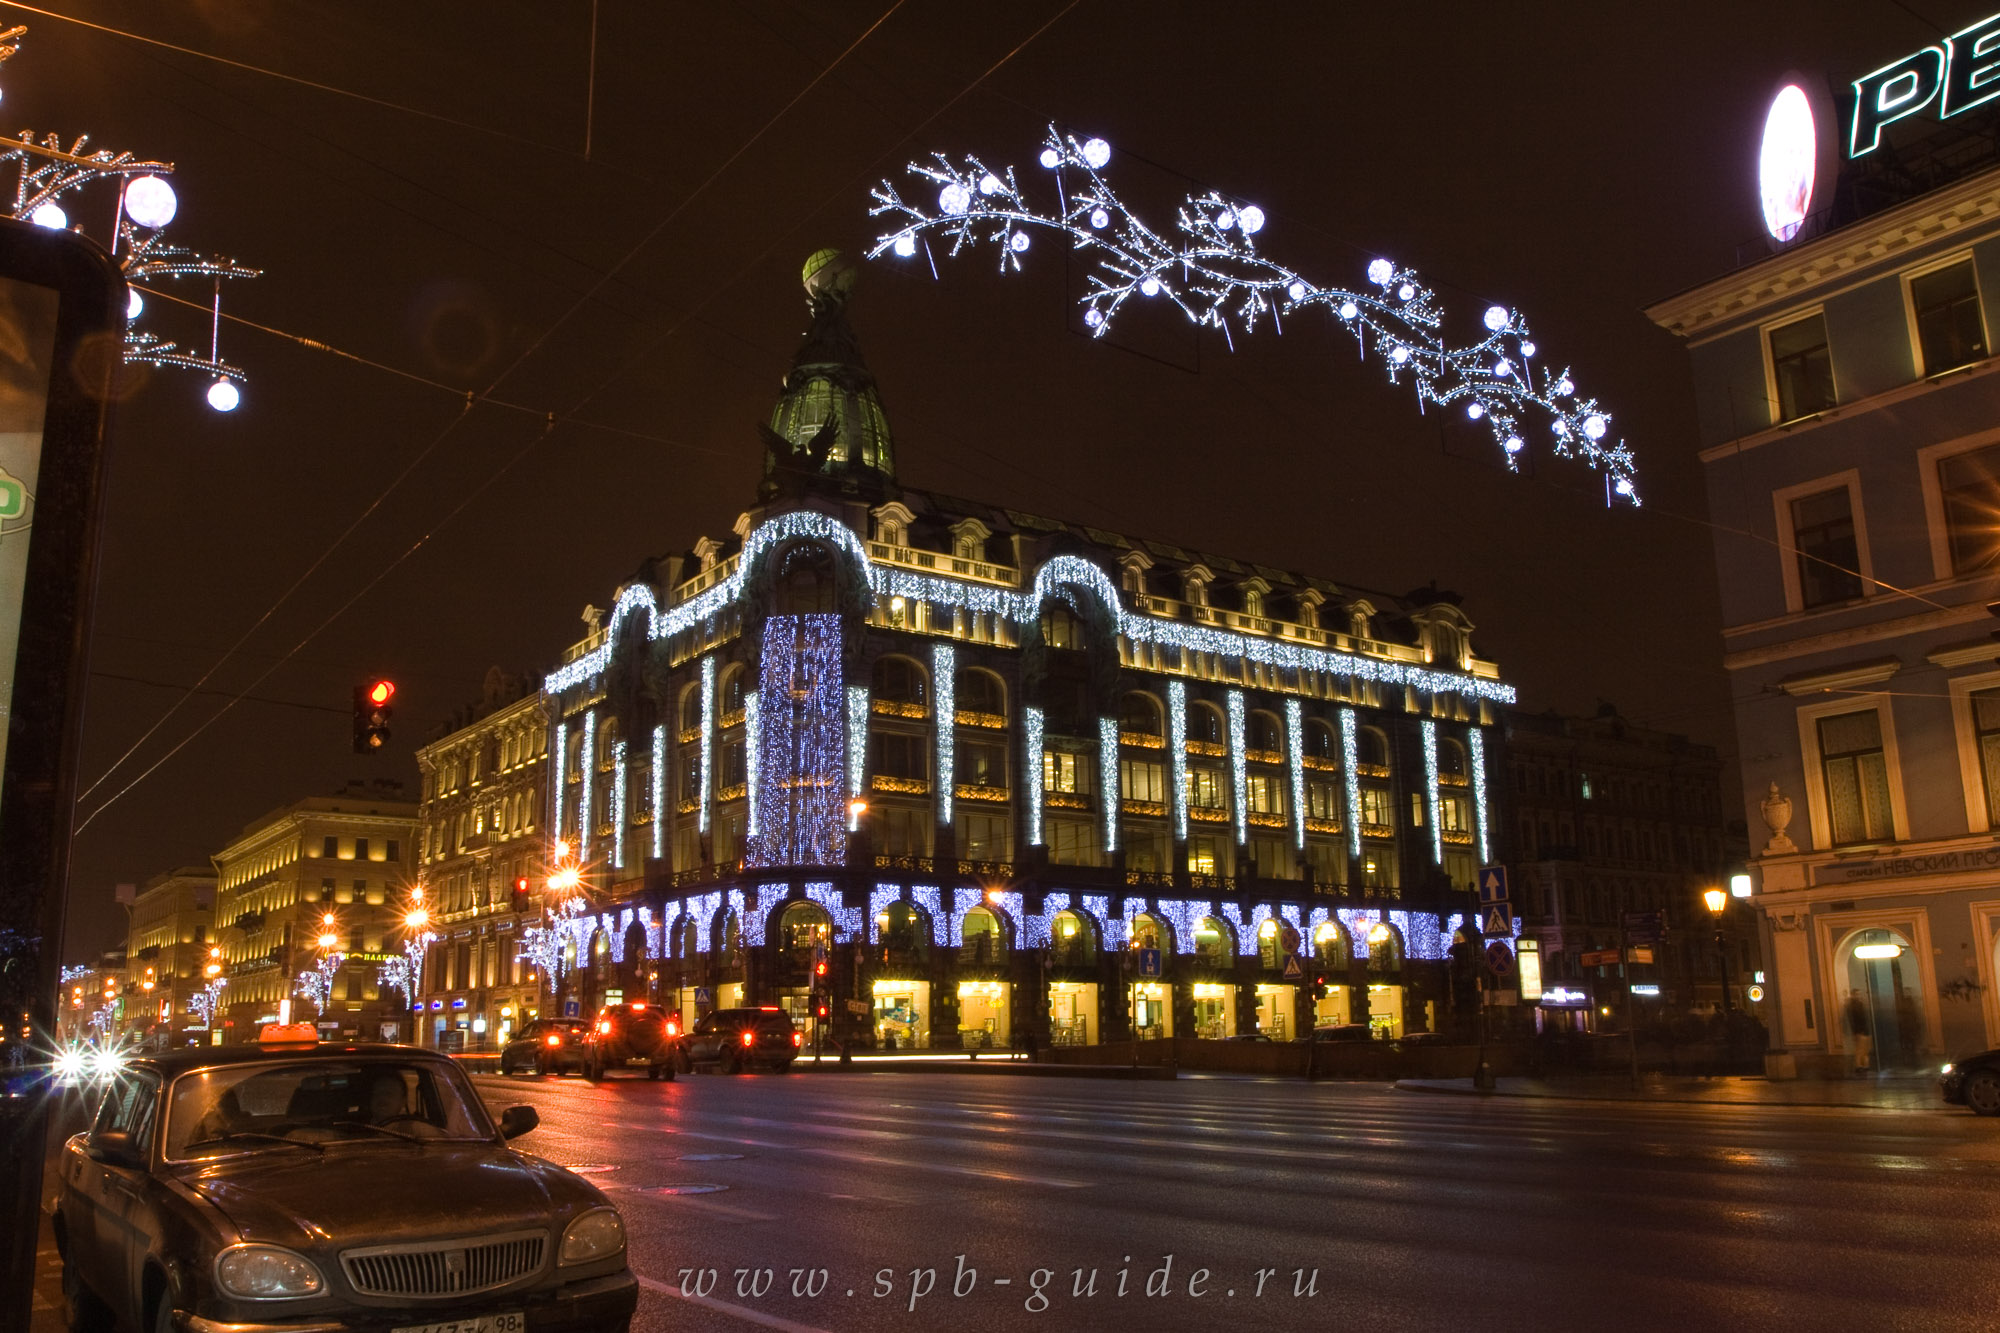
pixel 518 1120
pixel 114 1147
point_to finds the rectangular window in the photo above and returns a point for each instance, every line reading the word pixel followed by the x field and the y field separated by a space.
pixel 729 765
pixel 1857 777
pixel 1073 842
pixel 1206 789
pixel 330 848
pixel 1377 808
pixel 1949 329
pixel 901 756
pixel 361 849
pixel 1272 859
pixel 1205 856
pixel 1828 555
pixel 1145 850
pixel 1454 813
pixel 1140 780
pixel 1326 862
pixel 900 832
pixel 1801 368
pixel 395 850
pixel 983 838
pixel 1323 801
pixel 981 766
pixel 1063 771
pixel 1970 487
pixel 690 774
pixel 1986 724
pixel 1266 794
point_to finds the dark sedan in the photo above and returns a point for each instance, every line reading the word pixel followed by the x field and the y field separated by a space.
pixel 548 1046
pixel 735 1039
pixel 292 1188
pixel 1973 1082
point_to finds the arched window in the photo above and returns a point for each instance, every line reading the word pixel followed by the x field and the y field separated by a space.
pixel 729 697
pixel 1060 628
pixel 1385 948
pixel 806 580
pixel 687 938
pixel 898 680
pixel 1205 723
pixel 1373 747
pixel 1330 946
pixel 1451 759
pixel 635 945
pixel 801 926
pixel 728 933
pixel 1212 944
pixel 1266 733
pixel 904 930
pixel 1139 715
pixel 690 713
pixel 984 940
pixel 1073 940
pixel 1320 742
pixel 1270 947
pixel 976 691
pixel 1149 932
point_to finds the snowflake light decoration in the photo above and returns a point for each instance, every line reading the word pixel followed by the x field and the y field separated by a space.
pixel 51 170
pixel 1210 270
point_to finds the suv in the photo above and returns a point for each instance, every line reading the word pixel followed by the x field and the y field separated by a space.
pixel 628 1035
pixel 546 1046
pixel 733 1039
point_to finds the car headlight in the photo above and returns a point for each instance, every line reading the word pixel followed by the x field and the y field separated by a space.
pixel 1945 1070
pixel 265 1272
pixel 597 1234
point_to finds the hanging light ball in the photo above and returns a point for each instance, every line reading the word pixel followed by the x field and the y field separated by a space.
pixel 906 245
pixel 954 198
pixel 223 397
pixel 1099 218
pixel 1503 368
pixel 1400 355
pixel 135 304
pixel 1019 242
pixel 1225 220
pixel 1496 317
pixel 1380 271
pixel 1565 386
pixel 150 202
pixel 50 216
pixel 989 184
pixel 1624 486
pixel 1297 291
pixel 1405 292
pixel 1050 158
pixel 1093 317
pixel 1096 153
pixel 1514 444
pixel 1594 426
pixel 1348 310
pixel 1475 411
pixel 1527 349
pixel 1151 286
pixel 1252 219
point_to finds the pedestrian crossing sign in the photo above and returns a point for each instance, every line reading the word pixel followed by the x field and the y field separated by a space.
pixel 1495 921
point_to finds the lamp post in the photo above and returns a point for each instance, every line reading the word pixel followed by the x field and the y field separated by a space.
pixel 1718 902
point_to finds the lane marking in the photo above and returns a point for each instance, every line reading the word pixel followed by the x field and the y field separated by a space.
pixel 744 1313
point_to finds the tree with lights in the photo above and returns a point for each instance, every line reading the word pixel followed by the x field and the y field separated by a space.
pixel 54 172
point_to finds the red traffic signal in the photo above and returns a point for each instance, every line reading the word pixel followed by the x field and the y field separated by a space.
pixel 371 715
pixel 380 692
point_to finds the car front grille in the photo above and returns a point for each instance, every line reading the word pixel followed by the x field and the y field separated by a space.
pixel 445 1267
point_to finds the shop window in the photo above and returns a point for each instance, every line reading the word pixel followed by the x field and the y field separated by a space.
pixel 1212 946
pixel 1969 485
pixel 1330 947
pixel 1950 332
pixel 1857 777
pixel 984 942
pixel 1986 727
pixel 1801 368
pixel 1072 940
pixel 1385 949
pixel 1270 947
pixel 1827 550
pixel 904 932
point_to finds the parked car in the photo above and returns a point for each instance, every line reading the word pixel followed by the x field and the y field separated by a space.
pixel 1247 1036
pixel 288 1184
pixel 735 1039
pixel 1344 1032
pixel 1974 1082
pixel 628 1035
pixel 547 1046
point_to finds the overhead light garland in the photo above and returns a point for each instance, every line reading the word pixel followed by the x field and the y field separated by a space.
pixel 51 169
pixel 1209 268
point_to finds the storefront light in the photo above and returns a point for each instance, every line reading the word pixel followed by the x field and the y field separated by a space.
pixel 1208 990
pixel 1871 952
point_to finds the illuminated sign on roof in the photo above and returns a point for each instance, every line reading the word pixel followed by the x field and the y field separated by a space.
pixel 1954 76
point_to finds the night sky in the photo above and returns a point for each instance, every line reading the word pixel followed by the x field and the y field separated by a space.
pixel 431 210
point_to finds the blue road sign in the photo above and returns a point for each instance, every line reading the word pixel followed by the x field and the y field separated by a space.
pixel 1293 972
pixel 1493 884
pixel 701 995
pixel 1493 920
pixel 1149 962
pixel 571 1008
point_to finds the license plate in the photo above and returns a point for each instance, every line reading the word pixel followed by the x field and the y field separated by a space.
pixel 514 1322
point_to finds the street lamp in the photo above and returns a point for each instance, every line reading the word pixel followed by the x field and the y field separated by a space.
pixel 1718 902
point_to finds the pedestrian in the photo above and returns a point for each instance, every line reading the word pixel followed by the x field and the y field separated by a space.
pixel 1859 1040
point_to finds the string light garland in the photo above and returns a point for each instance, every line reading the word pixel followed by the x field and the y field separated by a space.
pixel 752 759
pixel 1209 268
pixel 944 696
pixel 1350 759
pixel 1431 801
pixel 857 751
pixel 1107 779
pixel 1031 762
pixel 618 820
pixel 659 791
pixel 799 820
pixel 1177 748
pixel 1295 732
pixel 1476 744
pixel 51 170
pixel 1239 776
pixel 587 758
pixel 557 787
pixel 707 739
pixel 204 1003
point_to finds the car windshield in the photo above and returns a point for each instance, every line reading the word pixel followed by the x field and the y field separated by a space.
pixel 310 1103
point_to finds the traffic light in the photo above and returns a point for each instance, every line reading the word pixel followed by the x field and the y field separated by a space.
pixel 1319 986
pixel 521 900
pixel 820 1006
pixel 371 715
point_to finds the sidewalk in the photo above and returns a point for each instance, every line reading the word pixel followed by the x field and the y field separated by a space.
pixel 1892 1092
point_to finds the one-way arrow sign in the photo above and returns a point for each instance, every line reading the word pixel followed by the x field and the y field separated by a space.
pixel 1493 884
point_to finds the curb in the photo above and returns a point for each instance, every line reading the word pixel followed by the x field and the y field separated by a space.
pixel 1017 1068
pixel 1407 1085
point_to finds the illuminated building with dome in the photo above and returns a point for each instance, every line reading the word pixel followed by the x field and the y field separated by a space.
pixel 1017 781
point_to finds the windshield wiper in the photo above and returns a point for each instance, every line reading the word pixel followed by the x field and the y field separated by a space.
pixel 382 1129
pixel 236 1135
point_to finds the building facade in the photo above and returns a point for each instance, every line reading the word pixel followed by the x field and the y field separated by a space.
pixel 481 868
pixel 328 868
pixel 170 921
pixel 1013 780
pixel 1610 818
pixel 1850 430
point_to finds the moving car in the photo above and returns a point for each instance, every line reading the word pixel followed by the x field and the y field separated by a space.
pixel 290 1185
pixel 547 1046
pixel 735 1039
pixel 1974 1082
pixel 628 1035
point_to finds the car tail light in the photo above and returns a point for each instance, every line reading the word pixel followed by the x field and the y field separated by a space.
pixel 555 1039
pixel 673 1028
pixel 749 1039
pixel 798 1039
pixel 604 1026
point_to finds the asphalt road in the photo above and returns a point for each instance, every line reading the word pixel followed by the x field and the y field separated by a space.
pixel 930 1201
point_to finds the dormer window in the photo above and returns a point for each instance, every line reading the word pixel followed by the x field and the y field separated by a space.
pixel 1309 601
pixel 1359 614
pixel 705 552
pixel 968 539
pixel 1253 597
pixel 1135 564
pixel 1194 585
pixel 892 524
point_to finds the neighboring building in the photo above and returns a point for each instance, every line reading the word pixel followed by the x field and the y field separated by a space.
pixel 1850 427
pixel 1611 818
pixel 344 857
pixel 989 762
pixel 92 1005
pixel 166 945
pixel 480 862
